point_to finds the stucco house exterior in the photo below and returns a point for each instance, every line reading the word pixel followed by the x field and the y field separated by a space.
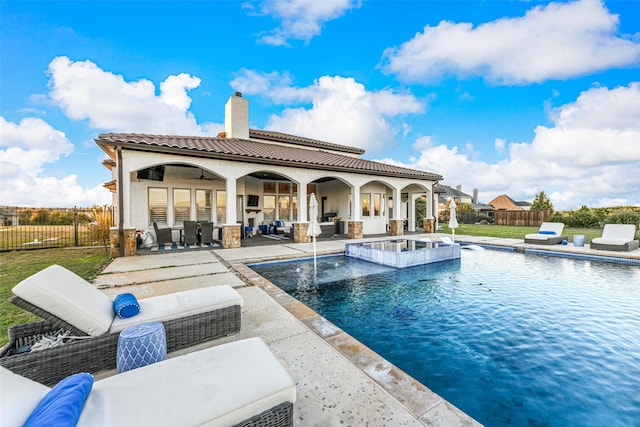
pixel 248 177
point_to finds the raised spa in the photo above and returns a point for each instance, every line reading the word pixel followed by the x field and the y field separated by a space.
pixel 402 253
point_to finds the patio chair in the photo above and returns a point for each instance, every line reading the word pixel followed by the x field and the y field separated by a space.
pixel 190 230
pixel 550 233
pixel 238 383
pixel 616 237
pixel 67 301
pixel 206 232
pixel 163 235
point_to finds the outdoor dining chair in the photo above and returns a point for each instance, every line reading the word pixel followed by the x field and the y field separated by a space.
pixel 190 231
pixel 163 235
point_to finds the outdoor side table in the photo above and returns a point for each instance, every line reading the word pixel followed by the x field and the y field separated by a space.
pixel 141 345
pixel 578 240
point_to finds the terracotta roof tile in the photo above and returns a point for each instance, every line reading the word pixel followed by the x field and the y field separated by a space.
pixel 259 152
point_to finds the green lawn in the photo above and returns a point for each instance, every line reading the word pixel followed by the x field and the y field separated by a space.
pixel 518 232
pixel 18 265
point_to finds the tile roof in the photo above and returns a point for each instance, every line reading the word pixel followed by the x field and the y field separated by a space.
pixel 299 140
pixel 259 152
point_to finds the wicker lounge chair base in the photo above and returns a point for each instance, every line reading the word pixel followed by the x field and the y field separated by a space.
pixel 550 241
pixel 629 246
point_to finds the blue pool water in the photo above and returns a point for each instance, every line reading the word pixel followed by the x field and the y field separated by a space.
pixel 511 339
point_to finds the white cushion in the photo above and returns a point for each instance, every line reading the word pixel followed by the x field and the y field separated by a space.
pixel 625 232
pixel 69 297
pixel 557 227
pixel 180 304
pixel 19 396
pixel 219 386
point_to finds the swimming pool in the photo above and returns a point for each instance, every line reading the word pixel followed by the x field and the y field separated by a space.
pixel 509 338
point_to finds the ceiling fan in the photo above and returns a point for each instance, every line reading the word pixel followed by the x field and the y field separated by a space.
pixel 202 177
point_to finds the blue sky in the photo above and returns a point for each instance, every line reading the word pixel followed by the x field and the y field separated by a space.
pixel 509 97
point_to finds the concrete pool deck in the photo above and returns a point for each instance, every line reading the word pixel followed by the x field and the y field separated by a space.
pixel 339 381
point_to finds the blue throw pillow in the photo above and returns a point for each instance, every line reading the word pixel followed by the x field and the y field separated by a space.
pixel 63 405
pixel 126 305
pixel 546 232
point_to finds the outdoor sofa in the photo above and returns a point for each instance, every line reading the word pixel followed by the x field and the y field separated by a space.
pixel 68 302
pixel 549 233
pixel 616 237
pixel 238 383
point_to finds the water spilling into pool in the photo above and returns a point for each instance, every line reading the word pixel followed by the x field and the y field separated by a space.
pixel 511 339
pixel 401 253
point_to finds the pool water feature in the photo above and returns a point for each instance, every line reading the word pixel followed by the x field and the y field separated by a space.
pixel 401 253
pixel 510 339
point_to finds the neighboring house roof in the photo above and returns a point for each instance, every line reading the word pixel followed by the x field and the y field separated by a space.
pixel 507 203
pixel 260 152
pixel 453 192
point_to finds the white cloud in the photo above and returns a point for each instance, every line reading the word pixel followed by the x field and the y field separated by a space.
pixel 337 109
pixel 86 92
pixel 590 156
pixel 558 41
pixel 27 147
pixel 300 19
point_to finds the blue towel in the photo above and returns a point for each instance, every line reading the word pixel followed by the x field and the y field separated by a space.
pixel 546 232
pixel 126 305
pixel 63 404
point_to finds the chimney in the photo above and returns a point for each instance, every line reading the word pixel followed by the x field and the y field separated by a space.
pixel 236 117
pixel 459 187
pixel 475 196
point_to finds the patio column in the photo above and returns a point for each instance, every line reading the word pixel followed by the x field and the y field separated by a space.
pixel 231 231
pixel 355 225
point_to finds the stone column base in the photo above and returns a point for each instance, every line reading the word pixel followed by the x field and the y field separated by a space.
pixel 429 225
pixel 300 232
pixel 130 243
pixel 354 230
pixel 396 227
pixel 231 236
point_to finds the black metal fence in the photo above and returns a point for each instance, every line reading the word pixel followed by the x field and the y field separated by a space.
pixel 23 228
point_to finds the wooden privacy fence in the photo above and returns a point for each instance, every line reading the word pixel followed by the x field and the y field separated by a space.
pixel 521 218
pixel 23 228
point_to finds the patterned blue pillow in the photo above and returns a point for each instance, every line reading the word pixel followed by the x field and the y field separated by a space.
pixel 63 405
pixel 126 305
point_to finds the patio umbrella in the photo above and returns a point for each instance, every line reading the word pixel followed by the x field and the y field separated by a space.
pixel 453 221
pixel 314 227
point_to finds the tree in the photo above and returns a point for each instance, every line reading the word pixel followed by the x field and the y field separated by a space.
pixel 542 203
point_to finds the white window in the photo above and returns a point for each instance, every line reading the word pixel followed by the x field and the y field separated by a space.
pixel 181 205
pixel 158 205
pixel 203 205
pixel 221 206
pixel 366 204
pixel 269 208
pixel 377 204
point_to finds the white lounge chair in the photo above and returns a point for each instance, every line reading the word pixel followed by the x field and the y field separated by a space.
pixel 66 301
pixel 549 233
pixel 237 382
pixel 616 237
